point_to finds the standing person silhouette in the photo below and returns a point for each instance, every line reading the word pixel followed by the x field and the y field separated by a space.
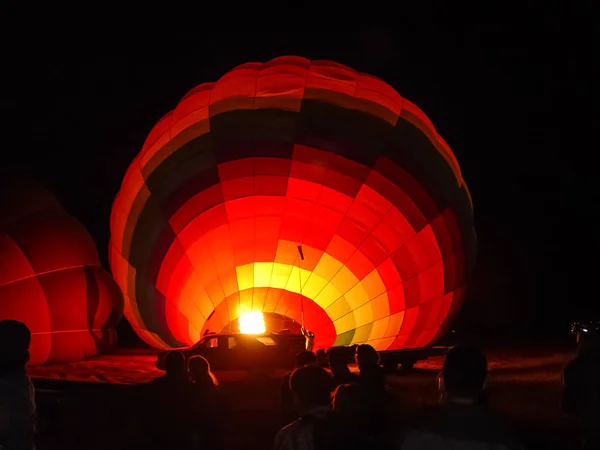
pixel 339 367
pixel 17 396
pixel 311 389
pixel 310 339
pixel 288 410
pixel 208 409
pixel 372 379
pixel 167 406
pixel 581 388
pixel 348 428
pixel 462 420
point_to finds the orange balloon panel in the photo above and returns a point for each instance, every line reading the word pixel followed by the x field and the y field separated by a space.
pixel 285 154
pixel 51 279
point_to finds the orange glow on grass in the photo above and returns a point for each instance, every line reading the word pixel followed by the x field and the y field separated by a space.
pixel 252 323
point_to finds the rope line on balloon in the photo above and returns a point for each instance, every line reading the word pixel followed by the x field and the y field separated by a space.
pixel 308 335
pixel 305 230
pixel 301 253
pixel 356 249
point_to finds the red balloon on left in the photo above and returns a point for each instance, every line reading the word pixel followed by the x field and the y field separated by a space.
pixel 51 278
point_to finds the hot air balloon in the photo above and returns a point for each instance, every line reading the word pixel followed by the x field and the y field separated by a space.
pixel 51 278
pixel 282 158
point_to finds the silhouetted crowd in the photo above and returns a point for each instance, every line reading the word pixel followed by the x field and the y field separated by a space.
pixel 355 411
pixel 337 410
pixel 328 408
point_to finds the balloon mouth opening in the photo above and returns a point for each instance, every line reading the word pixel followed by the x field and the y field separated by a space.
pixel 274 323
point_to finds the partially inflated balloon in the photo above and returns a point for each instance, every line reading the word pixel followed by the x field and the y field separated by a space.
pixel 284 154
pixel 51 279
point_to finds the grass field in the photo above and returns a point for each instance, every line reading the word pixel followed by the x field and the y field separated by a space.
pixel 86 405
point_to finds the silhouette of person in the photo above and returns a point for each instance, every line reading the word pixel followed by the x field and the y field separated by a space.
pixel 207 404
pixel 17 395
pixel 322 358
pixel 339 367
pixel 175 371
pixel 168 410
pixel 347 428
pixel 581 388
pixel 200 374
pixel 371 374
pixel 310 339
pixel 287 402
pixel 311 389
pixel 462 421
pixel 372 380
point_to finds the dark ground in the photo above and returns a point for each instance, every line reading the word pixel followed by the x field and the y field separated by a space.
pixel 525 386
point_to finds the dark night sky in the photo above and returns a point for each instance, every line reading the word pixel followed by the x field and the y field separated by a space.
pixel 510 90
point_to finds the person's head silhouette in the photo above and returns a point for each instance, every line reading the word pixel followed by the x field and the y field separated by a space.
pixel 464 375
pixel 175 364
pixel 349 400
pixel 366 356
pixel 199 370
pixel 15 339
pixel 337 361
pixel 311 388
pixel 305 358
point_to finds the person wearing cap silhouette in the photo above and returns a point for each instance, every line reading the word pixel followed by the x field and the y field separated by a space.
pixel 17 395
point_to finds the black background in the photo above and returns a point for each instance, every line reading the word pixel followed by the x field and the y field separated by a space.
pixel 510 90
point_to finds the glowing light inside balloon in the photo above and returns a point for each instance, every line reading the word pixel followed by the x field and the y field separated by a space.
pixel 252 323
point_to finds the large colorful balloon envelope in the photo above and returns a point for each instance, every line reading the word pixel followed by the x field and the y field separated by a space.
pixel 51 278
pixel 284 156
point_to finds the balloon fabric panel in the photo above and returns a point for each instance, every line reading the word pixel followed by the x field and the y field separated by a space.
pixel 51 279
pixel 284 154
